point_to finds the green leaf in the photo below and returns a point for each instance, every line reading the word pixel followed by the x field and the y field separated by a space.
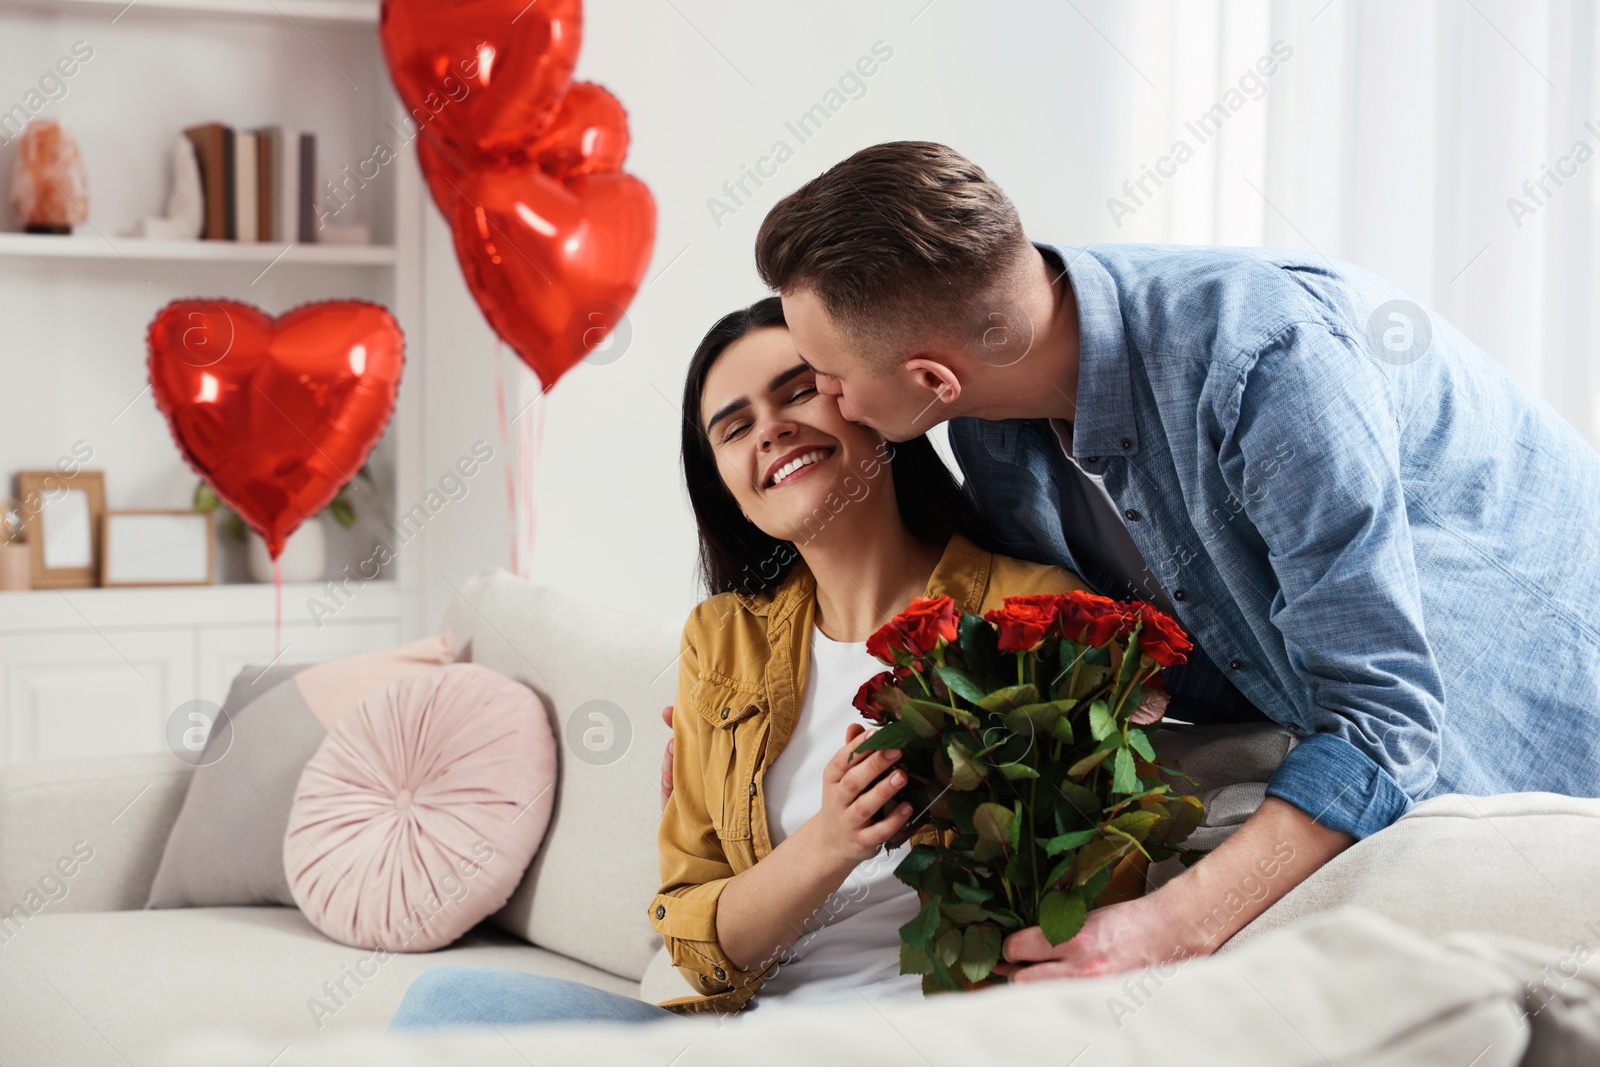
pixel 972 894
pixel 993 822
pixel 918 860
pixel 1078 807
pixel 947 948
pixel 1061 730
pixel 962 912
pixel 1032 719
pixel 889 735
pixel 1124 780
pixel 919 931
pixel 1076 839
pixel 343 512
pixel 1012 696
pixel 1061 915
pixel 1018 771
pixel 980 647
pixel 965 771
pixel 939 712
pixel 980 951
pixel 1100 854
pixel 1136 824
pixel 1087 763
pixel 961 683
pixel 1140 743
pixel 921 723
pixel 914 960
pixel 1101 722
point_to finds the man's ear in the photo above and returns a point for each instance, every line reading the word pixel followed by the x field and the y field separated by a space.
pixel 936 378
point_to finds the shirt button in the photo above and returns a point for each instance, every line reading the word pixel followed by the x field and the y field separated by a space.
pixel 1179 594
pixel 721 974
pixel 1091 459
pixel 1235 663
pixel 725 712
pixel 661 912
pixel 1131 515
pixel 1127 443
pixel 752 789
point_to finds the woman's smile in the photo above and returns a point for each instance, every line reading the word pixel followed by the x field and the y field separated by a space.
pixel 799 465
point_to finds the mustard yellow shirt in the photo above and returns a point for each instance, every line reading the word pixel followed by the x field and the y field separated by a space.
pixel 740 680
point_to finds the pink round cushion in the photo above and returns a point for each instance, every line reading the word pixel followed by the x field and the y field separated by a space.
pixel 421 810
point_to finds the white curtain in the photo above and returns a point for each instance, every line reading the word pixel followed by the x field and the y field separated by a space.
pixel 1398 136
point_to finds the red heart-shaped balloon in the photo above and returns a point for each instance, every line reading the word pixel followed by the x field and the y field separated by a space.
pixel 588 134
pixel 275 414
pixel 552 265
pixel 482 76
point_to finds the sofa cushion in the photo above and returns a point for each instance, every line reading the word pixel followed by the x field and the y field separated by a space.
pixel 420 812
pixel 226 846
pixel 604 677
pixel 106 989
pixel 1346 988
pixel 1523 864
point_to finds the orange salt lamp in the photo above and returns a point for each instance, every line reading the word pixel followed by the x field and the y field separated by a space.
pixel 49 189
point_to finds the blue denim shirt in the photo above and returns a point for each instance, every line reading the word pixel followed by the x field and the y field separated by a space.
pixel 1386 542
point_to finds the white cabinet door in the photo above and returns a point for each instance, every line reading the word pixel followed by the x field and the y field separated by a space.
pixel 91 693
pixel 225 651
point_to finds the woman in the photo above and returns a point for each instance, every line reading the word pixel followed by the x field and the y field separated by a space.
pixel 814 531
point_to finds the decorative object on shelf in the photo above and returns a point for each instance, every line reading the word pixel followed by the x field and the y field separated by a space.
pixel 15 566
pixel 185 219
pixel 1027 741
pixel 61 513
pixel 529 160
pixel 275 414
pixel 157 547
pixel 49 188
pixel 304 557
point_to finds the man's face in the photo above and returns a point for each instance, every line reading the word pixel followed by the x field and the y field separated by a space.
pixel 890 403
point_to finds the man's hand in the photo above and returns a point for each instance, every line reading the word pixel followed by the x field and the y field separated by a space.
pixel 1275 850
pixel 666 760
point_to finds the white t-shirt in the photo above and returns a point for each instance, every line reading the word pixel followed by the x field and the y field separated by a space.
pixel 853 941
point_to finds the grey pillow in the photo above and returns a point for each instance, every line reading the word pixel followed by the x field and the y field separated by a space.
pixel 226 846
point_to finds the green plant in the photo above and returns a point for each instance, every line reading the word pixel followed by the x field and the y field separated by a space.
pixel 340 507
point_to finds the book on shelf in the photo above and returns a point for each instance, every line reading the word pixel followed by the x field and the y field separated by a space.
pixel 246 220
pixel 258 185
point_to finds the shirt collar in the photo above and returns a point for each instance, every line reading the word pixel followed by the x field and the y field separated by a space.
pixel 1104 423
pixel 962 574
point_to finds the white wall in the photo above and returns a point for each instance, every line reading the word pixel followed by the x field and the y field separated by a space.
pixel 1391 136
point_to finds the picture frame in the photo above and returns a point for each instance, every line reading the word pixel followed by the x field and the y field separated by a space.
pixel 157 546
pixel 61 514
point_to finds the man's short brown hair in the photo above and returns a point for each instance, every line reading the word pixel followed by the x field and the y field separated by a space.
pixel 904 236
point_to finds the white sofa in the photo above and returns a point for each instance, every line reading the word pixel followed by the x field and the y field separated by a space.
pixel 1457 908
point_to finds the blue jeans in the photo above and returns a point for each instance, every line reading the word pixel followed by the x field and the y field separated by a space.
pixel 462 995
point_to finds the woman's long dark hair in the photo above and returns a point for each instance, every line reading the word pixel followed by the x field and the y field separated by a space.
pixel 735 553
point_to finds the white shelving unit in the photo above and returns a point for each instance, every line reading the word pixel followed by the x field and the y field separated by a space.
pixel 87 672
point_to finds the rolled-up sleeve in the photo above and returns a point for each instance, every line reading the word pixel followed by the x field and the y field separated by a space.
pixel 694 867
pixel 1313 455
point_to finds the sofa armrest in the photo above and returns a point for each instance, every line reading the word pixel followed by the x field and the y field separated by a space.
pixel 86 835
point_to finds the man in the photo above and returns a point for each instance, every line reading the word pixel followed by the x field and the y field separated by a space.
pixel 1375 536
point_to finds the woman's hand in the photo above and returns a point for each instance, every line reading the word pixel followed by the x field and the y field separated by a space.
pixel 850 800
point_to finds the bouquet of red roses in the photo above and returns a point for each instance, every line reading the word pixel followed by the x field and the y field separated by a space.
pixel 1026 738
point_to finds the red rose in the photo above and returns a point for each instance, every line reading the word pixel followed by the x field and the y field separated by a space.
pixel 1161 638
pixel 1092 619
pixel 868 695
pixel 1024 621
pixel 918 629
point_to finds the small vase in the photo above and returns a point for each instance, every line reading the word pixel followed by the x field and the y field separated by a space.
pixel 304 557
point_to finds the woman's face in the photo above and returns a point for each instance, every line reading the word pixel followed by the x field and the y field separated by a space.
pixel 781 446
